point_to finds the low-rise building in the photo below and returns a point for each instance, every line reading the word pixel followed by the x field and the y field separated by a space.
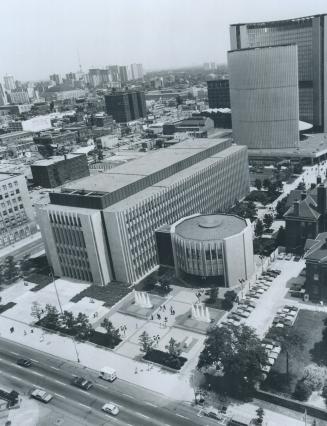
pixel 316 268
pixel 206 247
pixel 58 170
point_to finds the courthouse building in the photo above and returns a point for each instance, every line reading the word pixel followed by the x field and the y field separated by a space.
pixel 102 227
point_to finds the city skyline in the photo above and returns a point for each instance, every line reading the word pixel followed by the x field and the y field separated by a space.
pixel 40 40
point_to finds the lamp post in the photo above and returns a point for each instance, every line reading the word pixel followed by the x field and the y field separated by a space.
pixel 51 274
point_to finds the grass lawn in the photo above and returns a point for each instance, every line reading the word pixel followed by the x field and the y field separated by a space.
pixel 218 304
pixel 110 294
pixel 309 325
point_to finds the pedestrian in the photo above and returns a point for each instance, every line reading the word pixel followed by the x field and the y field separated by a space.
pixel 159 316
pixel 160 308
pixel 136 371
pixel 173 312
pixel 32 331
pixel 166 319
pixel 151 316
pixel 25 332
pixel 164 307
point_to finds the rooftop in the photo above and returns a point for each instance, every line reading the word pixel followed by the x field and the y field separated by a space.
pixel 133 171
pixel 5 176
pixel 282 21
pixel 313 147
pixel 54 159
pixel 210 227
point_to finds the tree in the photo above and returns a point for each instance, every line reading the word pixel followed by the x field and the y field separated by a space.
pixel 260 415
pixel 10 269
pixel 228 301
pixel 213 294
pixel 280 237
pixel 268 220
pixel 36 310
pixel 258 230
pixel 164 286
pixel 145 342
pixel 301 186
pixel 68 319
pixel 314 376
pixel 266 184
pixel 173 348
pixel 302 391
pixel 25 264
pixel 82 327
pixel 113 334
pixel 289 340
pixel 258 184
pixel 236 353
pixel 281 208
pixel 279 185
pixel 51 318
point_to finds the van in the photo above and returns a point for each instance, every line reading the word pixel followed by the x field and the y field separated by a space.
pixel 108 373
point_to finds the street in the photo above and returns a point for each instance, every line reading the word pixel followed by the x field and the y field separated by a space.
pixel 137 406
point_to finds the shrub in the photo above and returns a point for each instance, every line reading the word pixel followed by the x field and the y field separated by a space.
pixel 302 391
pixel 166 359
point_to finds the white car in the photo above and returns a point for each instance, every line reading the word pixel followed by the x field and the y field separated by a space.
pixel 41 395
pixel 110 408
pixel 280 256
pixel 288 256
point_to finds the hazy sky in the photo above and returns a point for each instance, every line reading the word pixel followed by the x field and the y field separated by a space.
pixel 38 37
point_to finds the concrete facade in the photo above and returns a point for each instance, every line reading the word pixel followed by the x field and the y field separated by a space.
pixel 207 246
pixel 264 96
pixel 137 198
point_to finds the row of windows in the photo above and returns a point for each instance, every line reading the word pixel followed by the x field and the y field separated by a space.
pixel 11 194
pixel 10 185
pixel 63 219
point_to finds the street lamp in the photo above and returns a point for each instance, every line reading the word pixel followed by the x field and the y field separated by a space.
pixel 51 274
pixel 261 257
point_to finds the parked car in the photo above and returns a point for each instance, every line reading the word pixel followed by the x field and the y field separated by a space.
pixel 276 271
pixel 288 256
pixel 41 395
pixel 280 256
pixel 213 413
pixel 110 408
pixel 24 362
pixel 270 279
pixel 82 383
pixel 297 258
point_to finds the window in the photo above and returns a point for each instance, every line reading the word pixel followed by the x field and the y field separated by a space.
pixel 17 191
pixel 316 277
pixel 4 187
pixel 21 206
pixel 9 185
pixel 16 183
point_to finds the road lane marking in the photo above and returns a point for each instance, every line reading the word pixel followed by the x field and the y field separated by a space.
pixel 61 396
pixel 128 396
pixel 15 377
pixel 103 387
pixel 35 360
pixel 143 415
pixel 38 374
pixel 152 405
pixel 83 405
pixel 183 417
pixel 55 368
pixel 61 383
pixel 15 353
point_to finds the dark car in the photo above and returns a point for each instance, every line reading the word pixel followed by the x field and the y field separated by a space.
pixel 82 383
pixel 24 362
pixel 297 258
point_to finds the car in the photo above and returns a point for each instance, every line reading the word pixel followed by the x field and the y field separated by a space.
pixel 280 256
pixel 24 362
pixel 212 412
pixel 110 408
pixel 41 395
pixel 270 279
pixel 288 256
pixel 243 313
pixel 297 258
pixel 82 383
pixel 276 271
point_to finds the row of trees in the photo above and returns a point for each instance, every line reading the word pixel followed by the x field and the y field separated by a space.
pixel 268 185
pixel 78 326
pixel 245 209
